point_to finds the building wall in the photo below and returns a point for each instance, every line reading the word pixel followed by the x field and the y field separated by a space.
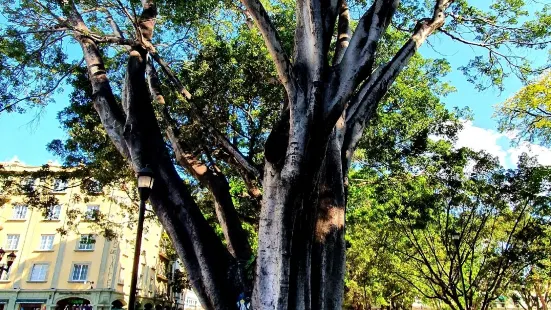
pixel 109 262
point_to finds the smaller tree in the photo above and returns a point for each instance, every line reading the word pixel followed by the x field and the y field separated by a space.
pixel 396 138
pixel 372 265
pixel 532 290
pixel 482 230
pixel 451 224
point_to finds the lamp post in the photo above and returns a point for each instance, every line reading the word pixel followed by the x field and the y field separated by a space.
pixel 145 183
pixel 456 238
pixel 11 257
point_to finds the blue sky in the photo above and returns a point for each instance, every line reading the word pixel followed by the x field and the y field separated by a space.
pixel 26 135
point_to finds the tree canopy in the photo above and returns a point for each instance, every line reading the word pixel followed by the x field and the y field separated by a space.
pixel 252 115
pixel 527 114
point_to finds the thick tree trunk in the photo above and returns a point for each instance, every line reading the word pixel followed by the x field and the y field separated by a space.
pixel 300 262
pixel 301 248
pixel 329 244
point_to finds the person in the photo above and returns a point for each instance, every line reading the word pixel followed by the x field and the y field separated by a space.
pixel 243 302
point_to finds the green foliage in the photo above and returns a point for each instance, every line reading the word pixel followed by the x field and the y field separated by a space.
pixel 528 113
pixel 395 147
pixel 410 187
pixel 494 31
pixel 404 181
pixel 401 222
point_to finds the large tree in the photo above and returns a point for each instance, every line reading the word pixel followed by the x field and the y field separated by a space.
pixel 327 85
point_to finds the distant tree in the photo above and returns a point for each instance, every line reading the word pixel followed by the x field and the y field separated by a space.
pixel 532 289
pixel 406 201
pixel 398 136
pixel 527 114
pixel 469 236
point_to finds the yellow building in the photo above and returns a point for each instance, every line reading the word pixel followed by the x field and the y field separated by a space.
pixel 80 270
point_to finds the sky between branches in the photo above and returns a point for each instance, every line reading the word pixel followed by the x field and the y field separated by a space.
pixel 25 135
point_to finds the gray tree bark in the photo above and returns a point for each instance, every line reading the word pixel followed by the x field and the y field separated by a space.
pixel 301 247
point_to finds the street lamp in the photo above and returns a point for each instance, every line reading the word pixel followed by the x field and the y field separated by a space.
pixel 455 237
pixel 10 258
pixel 145 183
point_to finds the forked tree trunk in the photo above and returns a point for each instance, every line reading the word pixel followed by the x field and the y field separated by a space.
pixel 301 246
pixel 301 254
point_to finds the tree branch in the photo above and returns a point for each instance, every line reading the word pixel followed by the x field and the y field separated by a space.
pixel 358 59
pixel 114 26
pixel 233 151
pixel 363 105
pixel 139 139
pixel 146 21
pixel 105 103
pixel 170 197
pixel 343 32
pixel 177 85
pixel 214 180
pixel 273 43
pixel 42 94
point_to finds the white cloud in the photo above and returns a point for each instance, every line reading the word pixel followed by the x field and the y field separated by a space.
pixel 478 139
pixel 543 154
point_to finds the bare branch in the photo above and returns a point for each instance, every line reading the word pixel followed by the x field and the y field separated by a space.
pixel 343 34
pixel 358 59
pixel 493 51
pixel 363 104
pixel 271 38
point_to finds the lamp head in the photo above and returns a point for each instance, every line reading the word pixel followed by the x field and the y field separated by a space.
pixel 456 237
pixel 145 182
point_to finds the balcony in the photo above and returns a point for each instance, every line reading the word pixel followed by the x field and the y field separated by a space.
pixel 162 270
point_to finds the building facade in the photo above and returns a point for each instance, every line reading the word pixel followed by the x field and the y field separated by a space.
pixel 80 269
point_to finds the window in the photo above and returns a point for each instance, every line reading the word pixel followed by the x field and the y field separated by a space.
pixel 80 272
pixel 19 212
pixel 12 241
pixel 92 212
pixel 190 302
pixel 162 267
pixel 86 242
pixel 60 185
pixel 93 186
pixel 38 273
pixel 151 285
pixel 145 232
pixel 46 242
pixel 121 276
pixel 53 213
pixel 5 276
pixel 27 184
